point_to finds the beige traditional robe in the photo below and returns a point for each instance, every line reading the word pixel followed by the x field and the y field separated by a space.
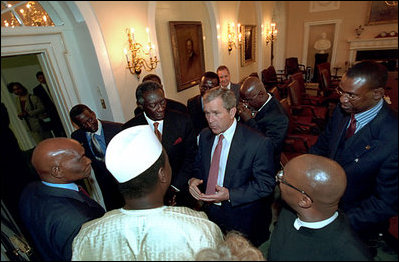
pixel 165 233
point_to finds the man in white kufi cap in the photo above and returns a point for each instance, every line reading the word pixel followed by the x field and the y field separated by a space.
pixel 144 229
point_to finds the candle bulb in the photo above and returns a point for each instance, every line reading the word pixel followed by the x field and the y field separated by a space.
pixel 148 34
pixel 125 51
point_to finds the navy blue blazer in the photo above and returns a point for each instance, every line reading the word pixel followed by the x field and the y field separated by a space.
pixel 179 141
pixel 197 114
pixel 370 160
pixel 272 121
pixel 249 177
pixel 108 184
pixel 54 216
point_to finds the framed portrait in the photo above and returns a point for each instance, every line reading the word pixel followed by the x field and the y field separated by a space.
pixel 188 52
pixel 382 12
pixel 248 46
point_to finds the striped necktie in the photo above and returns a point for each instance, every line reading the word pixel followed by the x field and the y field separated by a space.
pixel 97 150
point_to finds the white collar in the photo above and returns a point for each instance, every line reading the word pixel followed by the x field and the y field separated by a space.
pixel 229 133
pixel 267 101
pixel 151 122
pixel 314 225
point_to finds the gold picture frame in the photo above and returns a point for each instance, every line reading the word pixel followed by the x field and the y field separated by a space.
pixel 188 52
pixel 248 46
pixel 381 13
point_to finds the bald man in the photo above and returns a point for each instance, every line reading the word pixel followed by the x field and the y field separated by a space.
pixel 262 111
pixel 54 209
pixel 311 227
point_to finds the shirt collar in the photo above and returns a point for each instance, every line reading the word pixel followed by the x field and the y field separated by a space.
pixel 366 116
pixel 71 186
pixel 151 122
pixel 99 130
pixel 314 225
pixel 268 99
pixel 228 134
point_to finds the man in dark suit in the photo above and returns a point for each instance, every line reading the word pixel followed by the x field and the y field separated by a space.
pixel 54 209
pixel 170 103
pixel 239 181
pixel 103 131
pixel 43 92
pixel 263 112
pixel 224 78
pixel 195 104
pixel 362 136
pixel 175 131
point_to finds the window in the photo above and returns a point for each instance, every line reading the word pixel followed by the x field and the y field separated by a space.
pixel 24 13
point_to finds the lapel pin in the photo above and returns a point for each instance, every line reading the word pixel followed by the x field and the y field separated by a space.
pixel 368 147
pixel 357 160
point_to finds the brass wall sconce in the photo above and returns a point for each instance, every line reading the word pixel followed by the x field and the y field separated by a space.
pixel 138 56
pixel 233 35
pixel 271 33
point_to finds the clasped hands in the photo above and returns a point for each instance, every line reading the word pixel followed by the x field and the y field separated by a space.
pixel 221 194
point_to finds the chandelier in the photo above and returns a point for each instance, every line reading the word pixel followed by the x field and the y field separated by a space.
pixel 24 13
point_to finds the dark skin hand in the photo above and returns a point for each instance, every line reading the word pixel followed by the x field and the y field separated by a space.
pixel 243 111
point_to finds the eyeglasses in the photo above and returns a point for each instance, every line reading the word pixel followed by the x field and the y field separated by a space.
pixel 350 96
pixel 280 178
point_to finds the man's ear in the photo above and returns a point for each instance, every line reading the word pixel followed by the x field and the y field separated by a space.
pixel 378 93
pixel 305 202
pixel 56 172
pixel 162 175
pixel 233 112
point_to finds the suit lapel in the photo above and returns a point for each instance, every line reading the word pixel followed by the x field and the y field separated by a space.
pixel 339 136
pixel 233 154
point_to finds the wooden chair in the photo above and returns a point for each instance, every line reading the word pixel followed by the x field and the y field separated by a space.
pixel 318 113
pixel 292 66
pixel 296 143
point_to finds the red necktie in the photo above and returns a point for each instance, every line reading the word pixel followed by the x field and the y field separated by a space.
pixel 214 170
pixel 352 127
pixel 81 189
pixel 156 131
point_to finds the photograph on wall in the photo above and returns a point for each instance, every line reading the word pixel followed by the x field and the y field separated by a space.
pixel 188 52
pixel 382 12
pixel 248 46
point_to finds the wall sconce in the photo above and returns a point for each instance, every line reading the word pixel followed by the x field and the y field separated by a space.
pixel 271 34
pixel 138 55
pixel 233 36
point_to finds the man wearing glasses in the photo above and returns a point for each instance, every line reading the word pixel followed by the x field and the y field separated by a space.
pixel 362 137
pixel 311 228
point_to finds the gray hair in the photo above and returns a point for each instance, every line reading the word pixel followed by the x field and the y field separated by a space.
pixel 227 96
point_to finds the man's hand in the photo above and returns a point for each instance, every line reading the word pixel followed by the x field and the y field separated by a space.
pixel 244 112
pixel 193 187
pixel 221 194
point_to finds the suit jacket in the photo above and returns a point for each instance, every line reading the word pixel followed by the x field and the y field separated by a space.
pixel 272 121
pixel 249 177
pixel 108 184
pixel 197 115
pixel 54 216
pixel 370 160
pixel 236 90
pixel 179 141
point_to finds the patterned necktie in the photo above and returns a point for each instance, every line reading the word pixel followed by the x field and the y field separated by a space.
pixel 156 131
pixel 352 127
pixel 82 190
pixel 97 150
pixel 214 170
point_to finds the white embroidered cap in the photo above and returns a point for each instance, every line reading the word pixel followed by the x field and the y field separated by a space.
pixel 131 152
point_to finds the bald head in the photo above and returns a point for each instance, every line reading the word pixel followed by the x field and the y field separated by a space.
pixel 323 179
pixel 60 160
pixel 253 91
